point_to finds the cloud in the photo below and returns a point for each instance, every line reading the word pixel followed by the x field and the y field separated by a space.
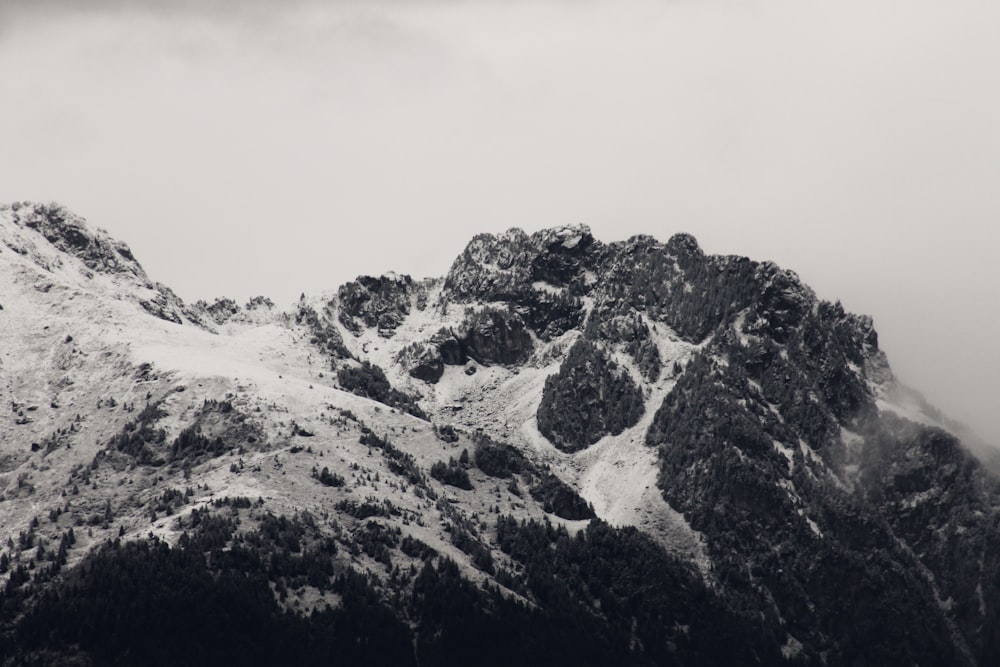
pixel 267 147
pixel 157 6
pixel 220 8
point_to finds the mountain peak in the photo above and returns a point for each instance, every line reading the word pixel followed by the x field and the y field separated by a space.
pixel 64 248
pixel 567 237
pixel 635 420
pixel 70 234
pixel 683 243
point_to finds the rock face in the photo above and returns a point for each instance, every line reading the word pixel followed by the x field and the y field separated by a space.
pixel 487 336
pixel 494 337
pixel 56 240
pixel 724 469
pixel 762 438
pixel 382 303
pixel 564 254
pixel 427 364
pixel 532 273
pixel 68 232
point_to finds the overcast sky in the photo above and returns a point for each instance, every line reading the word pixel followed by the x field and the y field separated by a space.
pixel 270 147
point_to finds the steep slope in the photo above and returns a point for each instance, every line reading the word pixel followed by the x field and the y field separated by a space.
pixel 53 239
pixel 564 451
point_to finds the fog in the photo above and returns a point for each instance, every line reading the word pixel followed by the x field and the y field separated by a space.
pixel 277 148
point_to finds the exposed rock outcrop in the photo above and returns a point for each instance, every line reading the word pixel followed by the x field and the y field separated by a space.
pixel 823 520
pixel 69 233
pixel 487 336
pixel 376 302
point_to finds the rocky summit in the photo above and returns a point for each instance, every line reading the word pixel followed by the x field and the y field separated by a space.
pixel 563 452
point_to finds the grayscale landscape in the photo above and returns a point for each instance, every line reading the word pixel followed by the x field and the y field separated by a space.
pixel 480 333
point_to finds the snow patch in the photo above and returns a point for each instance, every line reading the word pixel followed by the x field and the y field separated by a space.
pixel 542 286
pixel 791 648
pixel 571 235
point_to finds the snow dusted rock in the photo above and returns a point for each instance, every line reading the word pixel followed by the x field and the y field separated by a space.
pixel 221 310
pixel 532 274
pixel 684 247
pixel 420 462
pixel 381 303
pixel 563 253
pixel 505 267
pixel 69 234
pixel 425 364
pixel 488 336
pixel 494 336
pixel 491 268
pixel 61 245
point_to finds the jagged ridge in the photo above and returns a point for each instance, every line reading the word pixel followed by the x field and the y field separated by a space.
pixel 819 526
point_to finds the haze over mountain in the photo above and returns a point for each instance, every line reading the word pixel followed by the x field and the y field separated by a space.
pixel 564 451
pixel 802 132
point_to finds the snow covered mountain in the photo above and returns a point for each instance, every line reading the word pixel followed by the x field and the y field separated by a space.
pixel 563 452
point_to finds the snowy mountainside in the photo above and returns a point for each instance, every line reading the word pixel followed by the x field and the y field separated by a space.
pixel 59 243
pixel 735 449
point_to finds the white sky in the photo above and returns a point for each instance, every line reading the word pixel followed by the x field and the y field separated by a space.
pixel 269 147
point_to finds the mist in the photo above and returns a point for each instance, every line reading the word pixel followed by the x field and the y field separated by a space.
pixel 279 148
